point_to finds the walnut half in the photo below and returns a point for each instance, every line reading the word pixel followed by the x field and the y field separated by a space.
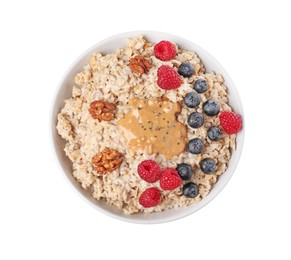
pixel 139 64
pixel 102 110
pixel 107 161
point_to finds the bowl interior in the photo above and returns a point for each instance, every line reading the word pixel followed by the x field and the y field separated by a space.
pixel 65 89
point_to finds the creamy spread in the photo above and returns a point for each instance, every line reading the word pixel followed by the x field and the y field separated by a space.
pixel 151 125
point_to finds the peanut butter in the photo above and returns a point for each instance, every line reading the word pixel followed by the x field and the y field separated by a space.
pixel 151 125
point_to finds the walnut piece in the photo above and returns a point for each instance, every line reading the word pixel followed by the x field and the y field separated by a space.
pixel 139 64
pixel 102 110
pixel 107 161
pixel 147 45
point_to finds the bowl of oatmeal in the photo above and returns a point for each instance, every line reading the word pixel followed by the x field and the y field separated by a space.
pixel 147 127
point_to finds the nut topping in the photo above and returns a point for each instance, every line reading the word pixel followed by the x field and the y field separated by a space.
pixel 102 110
pixel 147 45
pixel 107 161
pixel 139 64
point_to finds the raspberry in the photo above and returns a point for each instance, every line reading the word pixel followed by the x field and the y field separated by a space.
pixel 150 197
pixel 149 171
pixel 230 122
pixel 165 50
pixel 170 179
pixel 168 78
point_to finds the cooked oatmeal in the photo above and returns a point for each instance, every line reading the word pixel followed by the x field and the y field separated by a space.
pixel 110 79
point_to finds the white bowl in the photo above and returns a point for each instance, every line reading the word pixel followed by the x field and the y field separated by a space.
pixel 64 91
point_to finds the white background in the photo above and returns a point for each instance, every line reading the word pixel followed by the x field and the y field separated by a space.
pixel 42 218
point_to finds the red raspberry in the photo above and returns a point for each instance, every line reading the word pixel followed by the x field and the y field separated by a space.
pixel 150 197
pixel 168 78
pixel 230 122
pixel 170 179
pixel 165 50
pixel 149 171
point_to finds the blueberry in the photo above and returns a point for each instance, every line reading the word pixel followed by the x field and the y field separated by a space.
pixel 190 190
pixel 195 120
pixel 186 69
pixel 192 100
pixel 208 165
pixel 214 133
pixel 200 85
pixel 211 107
pixel 195 146
pixel 185 171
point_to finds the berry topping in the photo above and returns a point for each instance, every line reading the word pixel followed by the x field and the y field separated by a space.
pixel 168 78
pixel 165 50
pixel 195 146
pixel 200 85
pixel 230 122
pixel 150 197
pixel 195 120
pixel 214 133
pixel 211 107
pixel 185 171
pixel 149 171
pixel 186 69
pixel 190 190
pixel 208 165
pixel 192 100
pixel 170 179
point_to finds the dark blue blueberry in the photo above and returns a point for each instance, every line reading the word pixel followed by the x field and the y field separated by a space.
pixel 208 165
pixel 192 100
pixel 195 146
pixel 214 133
pixel 195 120
pixel 185 171
pixel 200 85
pixel 211 107
pixel 190 190
pixel 186 69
